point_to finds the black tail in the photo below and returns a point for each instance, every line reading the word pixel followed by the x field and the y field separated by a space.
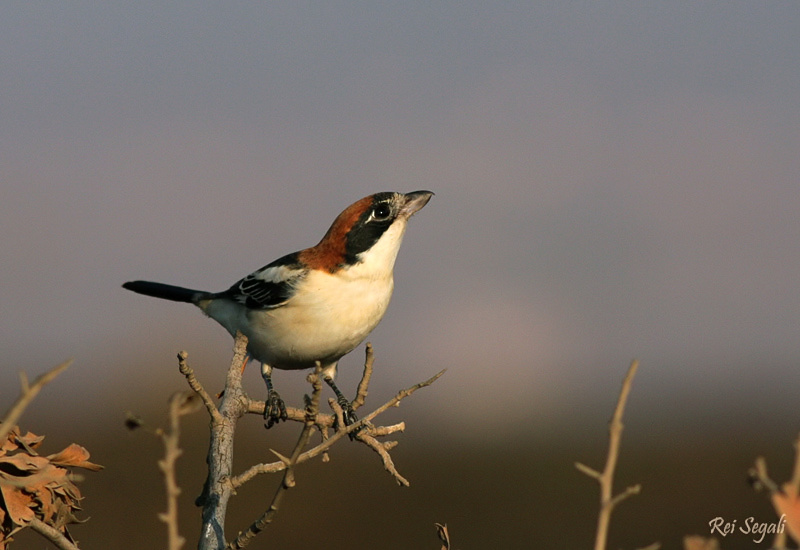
pixel 167 292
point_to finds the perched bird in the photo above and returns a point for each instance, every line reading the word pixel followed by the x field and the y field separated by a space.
pixel 316 305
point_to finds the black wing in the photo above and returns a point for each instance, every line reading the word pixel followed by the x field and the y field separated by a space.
pixel 269 287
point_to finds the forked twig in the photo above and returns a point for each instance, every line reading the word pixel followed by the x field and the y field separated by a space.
pixel 327 443
pixel 217 489
pixel 312 408
pixel 781 496
pixel 10 420
pixel 180 404
pixel 29 392
pixel 608 501
pixel 221 483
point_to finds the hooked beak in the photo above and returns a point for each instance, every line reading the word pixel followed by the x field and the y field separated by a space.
pixel 414 202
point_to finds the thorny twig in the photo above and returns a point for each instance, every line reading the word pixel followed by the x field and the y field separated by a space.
pixel 760 479
pixel 608 501
pixel 29 392
pixel 217 489
pixel 180 404
pixel 221 483
pixel 312 408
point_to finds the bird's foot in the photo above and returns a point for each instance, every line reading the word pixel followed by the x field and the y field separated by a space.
pixel 274 409
pixel 348 415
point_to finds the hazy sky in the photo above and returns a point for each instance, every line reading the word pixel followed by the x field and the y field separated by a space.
pixel 612 179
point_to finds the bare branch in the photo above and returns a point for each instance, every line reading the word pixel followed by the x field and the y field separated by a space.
pixel 628 492
pixel 218 489
pixel 52 534
pixel 312 407
pixel 328 442
pixel 363 385
pixel 29 392
pixel 760 478
pixel 383 451
pixel 179 404
pixel 395 401
pixel 606 478
pixel 327 420
pixel 221 484
pixel 380 431
pixel 591 472
pixel 780 495
pixel 444 535
pixel 196 386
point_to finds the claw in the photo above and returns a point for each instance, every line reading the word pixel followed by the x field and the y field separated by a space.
pixel 348 415
pixel 274 409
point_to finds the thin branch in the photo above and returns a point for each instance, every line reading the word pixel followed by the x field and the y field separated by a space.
pixel 29 392
pixel 628 492
pixel 250 473
pixel 217 489
pixel 381 431
pixel 323 420
pixel 198 388
pixel 606 478
pixel 361 392
pixel 312 407
pixel 591 472
pixel 395 401
pixel 383 451
pixel 444 535
pixel 221 484
pixel 760 479
pixel 179 404
pixel 52 534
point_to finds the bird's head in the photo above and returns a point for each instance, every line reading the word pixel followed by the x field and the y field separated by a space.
pixel 369 231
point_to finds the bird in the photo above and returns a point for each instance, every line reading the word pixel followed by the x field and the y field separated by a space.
pixel 311 307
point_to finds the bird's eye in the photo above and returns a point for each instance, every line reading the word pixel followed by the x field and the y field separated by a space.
pixel 381 212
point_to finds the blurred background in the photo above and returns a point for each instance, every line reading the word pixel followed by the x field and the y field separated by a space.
pixel 613 180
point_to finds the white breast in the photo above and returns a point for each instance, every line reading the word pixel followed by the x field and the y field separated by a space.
pixel 322 324
pixel 329 316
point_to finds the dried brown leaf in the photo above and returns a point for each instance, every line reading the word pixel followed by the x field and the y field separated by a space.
pixel 22 462
pixel 29 441
pixel 10 444
pixel 18 504
pixel 65 516
pixel 33 486
pixel 68 491
pixel 50 481
pixel 76 456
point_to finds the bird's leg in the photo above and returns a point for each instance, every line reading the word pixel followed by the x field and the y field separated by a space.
pixel 274 407
pixel 348 414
